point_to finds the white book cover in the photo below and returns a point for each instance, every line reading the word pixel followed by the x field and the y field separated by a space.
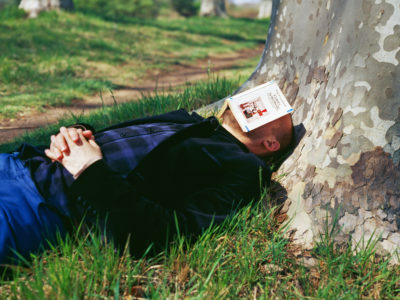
pixel 258 106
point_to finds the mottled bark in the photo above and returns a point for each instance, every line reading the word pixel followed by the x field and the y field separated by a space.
pixel 34 7
pixel 265 9
pixel 213 8
pixel 338 64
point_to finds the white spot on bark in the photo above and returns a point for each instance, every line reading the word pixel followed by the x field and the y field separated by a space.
pixel 354 110
pixel 386 30
pixel 347 223
pixel 363 215
pixel 392 245
pixel 326 175
pixel 376 134
pixel 276 69
pixel 364 84
pixel 359 61
pixel 396 142
pixel 277 53
pixel 332 202
pixel 334 92
pixel 328 4
pixel 356 101
pixel 381 214
pixel 395 238
pixel 361 25
pixel 338 68
pixel 326 162
pixel 299 219
pixel 263 69
pixel 333 59
pixel 363 233
pixel 388 149
pixel 348 129
pixel 351 160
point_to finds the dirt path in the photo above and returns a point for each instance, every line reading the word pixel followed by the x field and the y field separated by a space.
pixel 181 74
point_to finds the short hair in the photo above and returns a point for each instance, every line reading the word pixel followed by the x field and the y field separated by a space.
pixel 287 141
pixel 284 137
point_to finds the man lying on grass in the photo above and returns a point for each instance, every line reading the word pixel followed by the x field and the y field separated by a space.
pixel 143 176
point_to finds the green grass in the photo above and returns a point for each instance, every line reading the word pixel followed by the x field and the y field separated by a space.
pixel 192 97
pixel 60 57
pixel 245 257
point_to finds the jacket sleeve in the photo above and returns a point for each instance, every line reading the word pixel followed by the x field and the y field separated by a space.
pixel 130 213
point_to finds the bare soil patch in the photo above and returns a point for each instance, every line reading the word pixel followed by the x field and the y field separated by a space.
pixel 180 75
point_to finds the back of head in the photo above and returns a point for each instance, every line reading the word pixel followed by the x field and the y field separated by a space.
pixel 280 130
pixel 283 131
pixel 287 139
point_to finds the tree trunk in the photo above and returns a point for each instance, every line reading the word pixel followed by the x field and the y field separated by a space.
pixel 338 64
pixel 265 9
pixel 213 8
pixel 34 7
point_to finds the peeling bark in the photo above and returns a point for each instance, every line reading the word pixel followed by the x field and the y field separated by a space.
pixel 338 64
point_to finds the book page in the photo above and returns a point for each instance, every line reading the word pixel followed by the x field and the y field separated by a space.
pixel 259 106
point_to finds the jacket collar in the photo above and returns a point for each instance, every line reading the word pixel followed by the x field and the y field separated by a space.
pixel 178 116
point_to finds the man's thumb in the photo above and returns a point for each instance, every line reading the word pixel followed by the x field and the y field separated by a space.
pixel 87 134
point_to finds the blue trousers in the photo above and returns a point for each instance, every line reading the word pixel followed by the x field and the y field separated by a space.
pixel 27 223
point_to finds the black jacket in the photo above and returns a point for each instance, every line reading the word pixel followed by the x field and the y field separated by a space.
pixel 197 177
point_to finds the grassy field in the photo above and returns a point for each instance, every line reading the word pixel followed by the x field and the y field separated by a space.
pixel 246 257
pixel 192 97
pixel 60 57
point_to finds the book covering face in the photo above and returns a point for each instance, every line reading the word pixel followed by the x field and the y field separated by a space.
pixel 258 106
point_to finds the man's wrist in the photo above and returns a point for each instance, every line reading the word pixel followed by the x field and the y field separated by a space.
pixel 85 166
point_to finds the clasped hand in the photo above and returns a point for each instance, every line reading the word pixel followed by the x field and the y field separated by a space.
pixel 74 149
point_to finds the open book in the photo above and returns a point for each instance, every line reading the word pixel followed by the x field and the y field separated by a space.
pixel 258 106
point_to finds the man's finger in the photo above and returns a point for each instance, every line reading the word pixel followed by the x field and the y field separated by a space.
pixel 93 143
pixel 81 136
pixel 57 153
pixel 50 154
pixel 73 134
pixel 59 142
pixel 88 134
pixel 66 136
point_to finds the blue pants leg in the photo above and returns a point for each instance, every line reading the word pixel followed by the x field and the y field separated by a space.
pixel 26 221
